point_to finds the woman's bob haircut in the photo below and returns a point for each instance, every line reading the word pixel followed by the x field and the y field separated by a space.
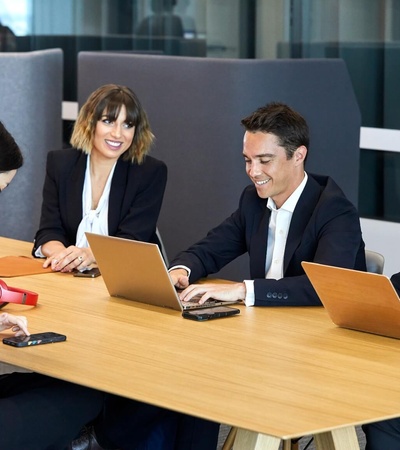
pixel 107 101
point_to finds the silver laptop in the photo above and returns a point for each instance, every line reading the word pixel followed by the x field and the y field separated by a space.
pixel 357 300
pixel 136 271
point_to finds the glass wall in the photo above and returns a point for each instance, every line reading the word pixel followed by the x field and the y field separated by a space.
pixel 200 28
pixel 365 33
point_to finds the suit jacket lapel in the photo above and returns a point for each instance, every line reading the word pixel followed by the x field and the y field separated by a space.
pixel 301 216
pixel 258 245
pixel 75 190
pixel 117 194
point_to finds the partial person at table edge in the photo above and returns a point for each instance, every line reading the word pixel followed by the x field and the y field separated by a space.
pixel 36 411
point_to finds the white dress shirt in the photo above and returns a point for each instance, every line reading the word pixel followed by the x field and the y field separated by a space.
pixel 278 229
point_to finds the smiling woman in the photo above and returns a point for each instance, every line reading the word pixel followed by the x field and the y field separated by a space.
pixel 106 184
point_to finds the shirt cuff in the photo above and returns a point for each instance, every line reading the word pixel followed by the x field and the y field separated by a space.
pixel 250 296
pixel 181 267
pixel 38 253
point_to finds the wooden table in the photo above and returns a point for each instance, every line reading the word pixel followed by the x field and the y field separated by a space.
pixel 276 373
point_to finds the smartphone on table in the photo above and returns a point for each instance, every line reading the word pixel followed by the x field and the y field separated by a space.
pixel 34 339
pixel 203 314
pixel 89 273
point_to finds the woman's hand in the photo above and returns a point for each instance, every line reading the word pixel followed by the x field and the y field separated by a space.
pixel 70 258
pixel 19 324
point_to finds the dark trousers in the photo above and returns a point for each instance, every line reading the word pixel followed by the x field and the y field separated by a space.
pixel 43 413
pixel 383 435
pixel 131 425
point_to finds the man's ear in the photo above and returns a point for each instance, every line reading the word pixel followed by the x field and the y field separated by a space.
pixel 300 154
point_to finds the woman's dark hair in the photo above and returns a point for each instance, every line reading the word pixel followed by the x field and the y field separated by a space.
pixel 10 154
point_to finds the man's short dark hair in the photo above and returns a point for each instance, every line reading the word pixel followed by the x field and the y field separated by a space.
pixel 279 119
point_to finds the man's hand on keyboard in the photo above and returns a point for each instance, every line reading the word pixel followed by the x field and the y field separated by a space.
pixel 225 292
pixel 179 278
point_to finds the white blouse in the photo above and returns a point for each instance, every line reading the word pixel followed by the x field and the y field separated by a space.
pixel 93 220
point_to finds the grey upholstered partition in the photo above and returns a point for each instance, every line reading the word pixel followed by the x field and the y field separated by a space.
pixel 195 106
pixel 30 108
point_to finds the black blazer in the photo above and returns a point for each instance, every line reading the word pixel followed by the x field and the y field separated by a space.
pixel 136 196
pixel 325 228
pixel 395 279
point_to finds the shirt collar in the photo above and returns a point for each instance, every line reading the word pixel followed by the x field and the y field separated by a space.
pixel 291 202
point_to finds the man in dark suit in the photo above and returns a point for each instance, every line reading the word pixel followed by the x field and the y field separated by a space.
pixel 284 217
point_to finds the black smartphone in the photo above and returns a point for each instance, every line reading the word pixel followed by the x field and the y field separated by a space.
pixel 89 273
pixel 34 339
pixel 210 313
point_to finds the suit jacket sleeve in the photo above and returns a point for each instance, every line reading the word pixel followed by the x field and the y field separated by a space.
pixel 62 198
pixel 395 279
pixel 225 242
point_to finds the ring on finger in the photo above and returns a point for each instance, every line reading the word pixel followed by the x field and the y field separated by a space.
pixel 80 258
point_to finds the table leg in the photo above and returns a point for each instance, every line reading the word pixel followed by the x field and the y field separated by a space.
pixel 340 439
pixel 249 440
pixel 287 445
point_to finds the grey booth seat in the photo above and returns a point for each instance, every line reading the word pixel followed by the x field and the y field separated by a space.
pixel 30 108
pixel 195 106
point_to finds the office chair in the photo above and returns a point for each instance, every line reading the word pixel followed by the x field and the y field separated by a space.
pixel 375 263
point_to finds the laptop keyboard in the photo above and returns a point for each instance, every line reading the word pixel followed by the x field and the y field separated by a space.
pixel 194 303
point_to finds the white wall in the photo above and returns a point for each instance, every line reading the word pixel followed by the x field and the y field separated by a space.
pixel 383 237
